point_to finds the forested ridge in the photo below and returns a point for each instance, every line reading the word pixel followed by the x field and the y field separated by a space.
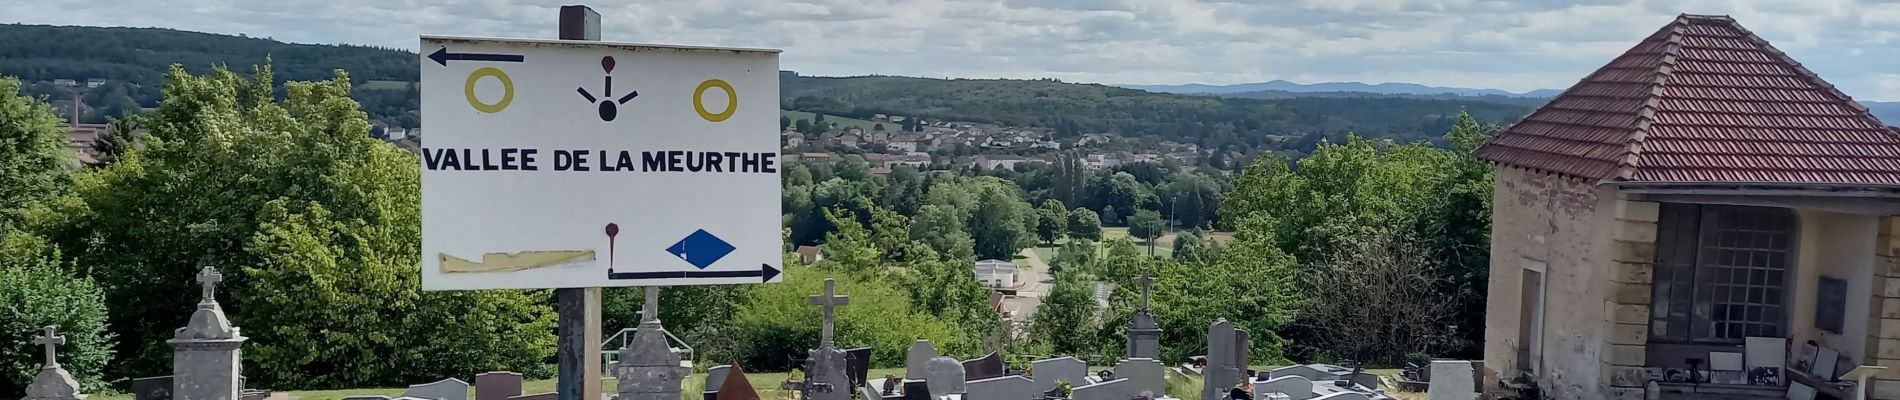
pixel 134 62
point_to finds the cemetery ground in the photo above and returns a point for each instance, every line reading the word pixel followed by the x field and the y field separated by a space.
pixel 766 383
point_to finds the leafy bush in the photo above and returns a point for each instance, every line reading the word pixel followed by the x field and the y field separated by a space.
pixel 36 291
pixel 777 323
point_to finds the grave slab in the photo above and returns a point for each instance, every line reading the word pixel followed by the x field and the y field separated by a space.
pixel 446 389
pixel 497 385
pixel 1050 371
pixel 1013 387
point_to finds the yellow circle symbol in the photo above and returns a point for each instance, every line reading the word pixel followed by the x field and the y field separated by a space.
pixel 732 100
pixel 507 90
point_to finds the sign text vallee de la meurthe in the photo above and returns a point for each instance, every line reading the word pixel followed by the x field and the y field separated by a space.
pixel 556 164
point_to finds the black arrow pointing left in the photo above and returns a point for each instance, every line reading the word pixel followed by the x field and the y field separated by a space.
pixel 443 57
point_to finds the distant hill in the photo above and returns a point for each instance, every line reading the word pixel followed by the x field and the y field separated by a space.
pixel 134 61
pixel 1293 124
pixel 1357 87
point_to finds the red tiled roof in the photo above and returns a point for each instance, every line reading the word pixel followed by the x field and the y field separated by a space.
pixel 1703 100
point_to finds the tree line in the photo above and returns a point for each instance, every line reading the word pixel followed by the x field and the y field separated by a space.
pixel 317 228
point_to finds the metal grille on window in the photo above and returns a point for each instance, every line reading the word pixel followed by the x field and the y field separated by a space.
pixel 1720 273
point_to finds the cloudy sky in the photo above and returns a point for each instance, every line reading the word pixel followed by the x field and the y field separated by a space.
pixel 1514 45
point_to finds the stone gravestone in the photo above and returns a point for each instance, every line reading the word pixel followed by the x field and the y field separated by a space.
pixel 715 377
pixel 1013 387
pixel 1144 335
pixel 53 382
pixel 1345 396
pixel 1145 375
pixel 1240 354
pixel 649 369
pixel 205 356
pixel 945 376
pixel 857 365
pixel 1451 380
pixel 1118 389
pixel 920 354
pixel 826 374
pixel 152 388
pixel 917 390
pixel 1050 371
pixel 1294 386
pixel 1220 374
pixel 497 385
pixel 987 367
pixel 446 389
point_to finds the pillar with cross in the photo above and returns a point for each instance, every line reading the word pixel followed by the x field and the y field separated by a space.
pixel 53 382
pixel 825 369
pixel 1144 335
pixel 648 368
pixel 206 352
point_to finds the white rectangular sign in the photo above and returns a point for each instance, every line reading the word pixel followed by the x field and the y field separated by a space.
pixel 556 164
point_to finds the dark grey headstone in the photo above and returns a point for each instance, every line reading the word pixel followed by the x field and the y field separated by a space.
pixel 989 366
pixel 152 388
pixel 917 389
pixel 446 389
pixel 498 385
pixel 857 365
pixel 1294 386
pixel 1220 374
pixel 715 377
pixel 945 376
pixel 919 354
pixel 1049 372
pixel 1003 388
pixel 1118 389
pixel 1145 375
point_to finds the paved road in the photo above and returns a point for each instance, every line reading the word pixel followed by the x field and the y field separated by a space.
pixel 1029 297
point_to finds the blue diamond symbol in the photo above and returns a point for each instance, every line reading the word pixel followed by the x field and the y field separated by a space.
pixel 700 249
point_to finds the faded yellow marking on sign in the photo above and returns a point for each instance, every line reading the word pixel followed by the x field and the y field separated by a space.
pixel 505 262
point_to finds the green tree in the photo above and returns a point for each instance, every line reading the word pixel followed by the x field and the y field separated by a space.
pixel 777 324
pixel 941 228
pixel 40 290
pixel 120 136
pixel 1068 309
pixel 803 125
pixel 305 213
pixel 1054 221
pixel 850 248
pixel 1001 224
pixel 1109 216
pixel 1146 225
pixel 877 127
pixel 784 122
pixel 34 163
pixel 853 167
pixel 1084 224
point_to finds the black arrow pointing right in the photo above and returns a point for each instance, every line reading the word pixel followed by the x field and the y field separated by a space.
pixel 443 57
pixel 765 271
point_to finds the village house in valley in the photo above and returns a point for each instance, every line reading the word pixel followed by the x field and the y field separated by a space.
pixel 1685 216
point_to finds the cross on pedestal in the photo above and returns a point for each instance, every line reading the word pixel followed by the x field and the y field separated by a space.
pixel 650 309
pixel 51 341
pixel 1144 280
pixel 209 278
pixel 830 300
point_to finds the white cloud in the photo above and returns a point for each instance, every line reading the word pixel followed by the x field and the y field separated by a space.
pixel 1509 44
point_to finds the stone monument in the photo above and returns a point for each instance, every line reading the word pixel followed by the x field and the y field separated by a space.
pixel 1050 372
pixel 1144 335
pixel 205 353
pixel 53 382
pixel 1221 373
pixel 649 369
pixel 826 374
pixel 919 354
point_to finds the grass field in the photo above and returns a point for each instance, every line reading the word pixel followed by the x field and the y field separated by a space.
pixel 841 122
pixel 766 383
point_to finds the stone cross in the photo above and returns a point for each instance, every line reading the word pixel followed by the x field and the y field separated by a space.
pixel 1144 280
pixel 209 278
pixel 650 309
pixel 830 300
pixel 51 341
